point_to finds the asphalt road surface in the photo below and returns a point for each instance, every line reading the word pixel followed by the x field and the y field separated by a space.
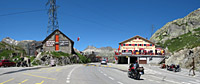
pixel 89 74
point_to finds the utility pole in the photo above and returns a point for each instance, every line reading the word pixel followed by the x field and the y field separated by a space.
pixel 52 12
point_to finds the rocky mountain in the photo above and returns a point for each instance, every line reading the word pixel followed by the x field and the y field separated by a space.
pixel 177 27
pixel 27 45
pixel 180 36
pixel 103 51
pixel 10 41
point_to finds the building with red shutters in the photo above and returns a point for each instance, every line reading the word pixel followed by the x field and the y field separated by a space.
pixel 138 49
pixel 58 41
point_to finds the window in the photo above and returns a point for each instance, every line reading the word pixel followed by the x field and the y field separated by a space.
pixel 144 44
pixel 150 44
pixel 124 44
pixel 129 44
pixel 123 50
pixel 140 44
pixel 135 44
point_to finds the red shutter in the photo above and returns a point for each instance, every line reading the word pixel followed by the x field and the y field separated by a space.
pixel 122 44
pixel 127 44
pixel 57 38
pixel 57 47
pixel 132 44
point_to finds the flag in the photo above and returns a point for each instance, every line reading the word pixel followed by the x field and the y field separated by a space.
pixel 119 48
pixel 78 38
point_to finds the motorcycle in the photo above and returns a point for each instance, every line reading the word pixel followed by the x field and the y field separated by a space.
pixel 135 73
pixel 173 67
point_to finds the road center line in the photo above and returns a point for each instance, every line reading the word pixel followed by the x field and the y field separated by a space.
pixel 119 82
pixel 69 75
pixel 111 78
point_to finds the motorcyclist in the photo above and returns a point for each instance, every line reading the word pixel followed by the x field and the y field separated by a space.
pixel 136 65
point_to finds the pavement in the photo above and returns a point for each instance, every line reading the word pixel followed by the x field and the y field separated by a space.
pixel 93 73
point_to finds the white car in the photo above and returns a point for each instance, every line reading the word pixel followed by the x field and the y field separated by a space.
pixel 103 62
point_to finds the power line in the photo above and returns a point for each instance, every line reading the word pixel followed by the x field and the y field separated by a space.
pixel 23 12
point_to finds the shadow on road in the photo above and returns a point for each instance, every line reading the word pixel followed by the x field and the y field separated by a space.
pixel 22 70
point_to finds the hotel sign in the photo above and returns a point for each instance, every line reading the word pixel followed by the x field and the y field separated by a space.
pixel 50 43
pixel 64 43
pixel 61 43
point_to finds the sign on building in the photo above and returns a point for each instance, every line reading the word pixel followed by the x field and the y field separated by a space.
pixel 50 43
pixel 64 43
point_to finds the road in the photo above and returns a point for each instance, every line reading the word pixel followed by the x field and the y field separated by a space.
pixel 89 74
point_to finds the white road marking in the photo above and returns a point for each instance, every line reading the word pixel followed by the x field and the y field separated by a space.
pixel 67 81
pixel 119 82
pixel 150 80
pixel 69 75
pixel 105 74
pixel 193 82
pixel 157 81
pixel 111 78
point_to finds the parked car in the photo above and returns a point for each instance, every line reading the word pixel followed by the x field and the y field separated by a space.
pixel 7 63
pixel 104 62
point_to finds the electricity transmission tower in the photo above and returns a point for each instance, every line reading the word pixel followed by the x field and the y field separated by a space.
pixel 52 12
pixel 152 30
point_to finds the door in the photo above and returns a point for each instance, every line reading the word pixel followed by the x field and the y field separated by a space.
pixel 57 47
pixel 142 61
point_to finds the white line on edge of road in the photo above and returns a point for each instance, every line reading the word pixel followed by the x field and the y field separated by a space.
pixel 119 82
pixel 69 75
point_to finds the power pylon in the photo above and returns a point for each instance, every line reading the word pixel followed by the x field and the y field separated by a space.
pixel 52 12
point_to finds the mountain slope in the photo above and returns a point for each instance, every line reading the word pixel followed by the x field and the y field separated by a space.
pixel 179 37
pixel 103 51
pixel 177 27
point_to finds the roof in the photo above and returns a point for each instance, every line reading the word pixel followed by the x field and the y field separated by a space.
pixel 137 37
pixel 53 34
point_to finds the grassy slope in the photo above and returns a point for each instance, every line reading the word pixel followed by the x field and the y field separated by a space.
pixel 188 40
pixel 6 53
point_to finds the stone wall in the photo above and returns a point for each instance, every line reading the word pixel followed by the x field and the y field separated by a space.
pixel 66 49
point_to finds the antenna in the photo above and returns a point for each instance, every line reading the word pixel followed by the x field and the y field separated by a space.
pixel 52 12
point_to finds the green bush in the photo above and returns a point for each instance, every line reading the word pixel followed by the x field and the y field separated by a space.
pixel 59 54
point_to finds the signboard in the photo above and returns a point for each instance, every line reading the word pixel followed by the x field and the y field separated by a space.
pixel 64 43
pixel 50 43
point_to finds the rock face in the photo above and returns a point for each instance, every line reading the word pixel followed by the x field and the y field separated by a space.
pixel 179 37
pixel 10 41
pixel 28 45
pixel 103 51
pixel 177 27
pixel 184 58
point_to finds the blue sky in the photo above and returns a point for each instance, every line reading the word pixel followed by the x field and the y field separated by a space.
pixel 99 23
